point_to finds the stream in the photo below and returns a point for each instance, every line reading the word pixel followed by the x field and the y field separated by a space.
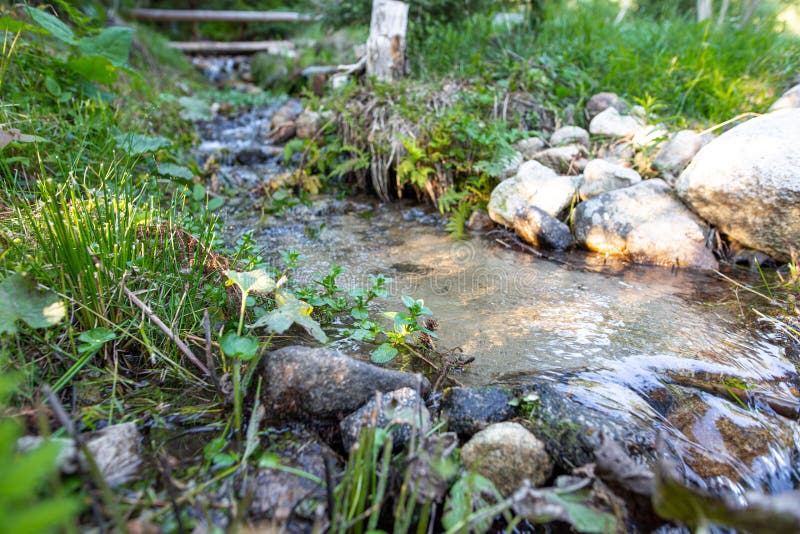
pixel 629 344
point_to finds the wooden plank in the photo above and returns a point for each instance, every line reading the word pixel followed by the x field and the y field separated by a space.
pixel 234 47
pixel 205 15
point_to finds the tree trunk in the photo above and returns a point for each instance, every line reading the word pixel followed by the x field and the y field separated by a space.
pixel 704 10
pixel 386 46
pixel 723 11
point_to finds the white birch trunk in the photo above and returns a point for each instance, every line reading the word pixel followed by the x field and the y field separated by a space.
pixel 386 45
pixel 704 10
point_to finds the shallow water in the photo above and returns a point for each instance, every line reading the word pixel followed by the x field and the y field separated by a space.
pixel 609 333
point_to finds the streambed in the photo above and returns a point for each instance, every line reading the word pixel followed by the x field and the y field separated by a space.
pixel 628 343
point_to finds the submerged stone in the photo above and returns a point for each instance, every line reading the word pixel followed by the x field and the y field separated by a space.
pixel 469 410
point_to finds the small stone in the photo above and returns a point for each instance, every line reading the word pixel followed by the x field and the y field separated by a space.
pixel 610 123
pixel 602 101
pixel 479 221
pixel 470 410
pixel 569 135
pixel 530 146
pixel 507 454
pixel 789 100
pixel 320 383
pixel 286 113
pixel 678 152
pixel 562 159
pixel 541 229
pixel 534 185
pixel 401 411
pixel 307 124
pixel 601 176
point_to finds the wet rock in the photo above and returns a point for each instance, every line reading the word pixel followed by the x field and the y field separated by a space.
pixel 252 156
pixel 530 146
pixel 541 229
pixel 569 419
pixel 280 495
pixel 402 410
pixel 729 442
pixel 789 100
pixel 286 113
pixel 601 176
pixel 308 124
pixel 323 383
pixel 676 154
pixel 534 185
pixel 602 101
pixel 610 123
pixel 569 135
pixel 420 216
pixel 746 182
pixel 479 221
pixel 646 222
pixel 470 410
pixel 568 159
pixel 508 454
pixel 116 450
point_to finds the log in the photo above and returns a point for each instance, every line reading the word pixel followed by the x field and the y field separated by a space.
pixel 386 45
pixel 234 47
pixel 204 15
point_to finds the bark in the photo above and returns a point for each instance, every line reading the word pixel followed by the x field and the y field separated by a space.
pixel 704 10
pixel 386 46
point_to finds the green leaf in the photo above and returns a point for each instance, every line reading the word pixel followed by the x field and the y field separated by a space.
pixel 94 68
pixel 215 203
pixel 269 460
pixel 113 43
pixel 583 518
pixel 241 347
pixel 290 310
pixel 9 24
pixel 21 300
pixel 384 353
pixel 52 87
pixel 55 27
pixel 176 171
pixel 257 280
pixel 137 144
pixel 408 301
pixel 94 339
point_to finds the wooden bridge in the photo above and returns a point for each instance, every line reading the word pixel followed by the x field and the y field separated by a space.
pixel 224 47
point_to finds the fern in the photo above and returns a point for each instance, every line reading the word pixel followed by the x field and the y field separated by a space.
pixel 458 220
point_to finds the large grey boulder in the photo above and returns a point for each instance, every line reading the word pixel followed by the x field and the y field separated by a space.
pixel 569 159
pixel 676 153
pixel 789 100
pixel 402 411
pixel 508 454
pixel 601 176
pixel 747 183
pixel 647 223
pixel 569 135
pixel 534 185
pixel 610 123
pixel 530 146
pixel 323 383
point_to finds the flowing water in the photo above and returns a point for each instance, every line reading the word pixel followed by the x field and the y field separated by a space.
pixel 611 335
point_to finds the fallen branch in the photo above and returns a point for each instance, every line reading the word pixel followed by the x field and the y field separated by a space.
pixel 183 347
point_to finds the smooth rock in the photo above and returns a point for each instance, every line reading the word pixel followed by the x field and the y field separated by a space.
pixel 647 222
pixel 307 124
pixel 534 185
pixel 541 229
pixel 508 454
pixel 569 135
pixel 286 113
pixel 479 221
pixel 676 153
pixel 278 494
pixel 746 182
pixel 470 410
pixel 610 123
pixel 116 450
pixel 789 100
pixel 563 159
pixel 602 101
pixel 601 176
pixel 323 383
pixel 402 411
pixel 530 146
